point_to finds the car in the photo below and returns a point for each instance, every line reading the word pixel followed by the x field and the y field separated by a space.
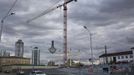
pixel 20 73
pixel 6 71
pixel 37 73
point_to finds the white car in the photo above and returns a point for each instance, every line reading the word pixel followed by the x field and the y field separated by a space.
pixel 20 73
pixel 37 73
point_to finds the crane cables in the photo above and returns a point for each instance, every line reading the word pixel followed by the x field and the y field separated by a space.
pixel 46 11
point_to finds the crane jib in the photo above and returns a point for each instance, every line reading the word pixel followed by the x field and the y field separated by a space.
pixel 47 11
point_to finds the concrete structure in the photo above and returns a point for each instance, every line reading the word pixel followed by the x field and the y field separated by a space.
pixel 36 56
pixel 118 57
pixel 19 48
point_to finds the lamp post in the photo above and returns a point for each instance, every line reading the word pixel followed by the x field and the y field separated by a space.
pixel 52 50
pixel 90 36
pixel 2 23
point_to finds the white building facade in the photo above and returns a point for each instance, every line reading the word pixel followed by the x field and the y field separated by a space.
pixel 118 57
pixel 133 52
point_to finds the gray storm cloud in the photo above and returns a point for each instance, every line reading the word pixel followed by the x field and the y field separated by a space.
pixel 110 21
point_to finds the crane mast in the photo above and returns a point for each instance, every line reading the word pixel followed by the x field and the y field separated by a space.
pixel 65 32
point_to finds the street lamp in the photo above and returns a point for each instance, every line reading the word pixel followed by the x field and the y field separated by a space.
pixel 90 36
pixel 2 23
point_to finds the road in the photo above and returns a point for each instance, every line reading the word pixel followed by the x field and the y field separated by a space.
pixel 71 71
pixel 7 74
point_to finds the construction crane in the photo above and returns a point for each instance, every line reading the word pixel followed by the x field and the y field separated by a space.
pixel 65 23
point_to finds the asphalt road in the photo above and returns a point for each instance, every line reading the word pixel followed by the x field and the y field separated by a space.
pixel 71 71
pixel 7 74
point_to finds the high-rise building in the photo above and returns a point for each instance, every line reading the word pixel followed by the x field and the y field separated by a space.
pixel 4 53
pixel 1 53
pixel 36 56
pixel 19 48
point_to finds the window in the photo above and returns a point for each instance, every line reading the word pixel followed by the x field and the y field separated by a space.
pixel 122 57
pixel 118 57
pixel 131 56
pixel 126 56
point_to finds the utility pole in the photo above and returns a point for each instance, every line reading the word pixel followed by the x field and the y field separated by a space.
pixel 2 23
pixel 91 48
pixel 106 54
pixel 7 14
pixel 70 59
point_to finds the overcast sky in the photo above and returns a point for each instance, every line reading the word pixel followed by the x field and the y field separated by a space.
pixel 111 23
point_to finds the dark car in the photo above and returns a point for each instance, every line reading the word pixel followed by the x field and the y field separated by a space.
pixel 6 71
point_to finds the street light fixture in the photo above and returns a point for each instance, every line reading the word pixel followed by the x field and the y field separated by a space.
pixel 2 23
pixel 90 35
pixel 52 49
